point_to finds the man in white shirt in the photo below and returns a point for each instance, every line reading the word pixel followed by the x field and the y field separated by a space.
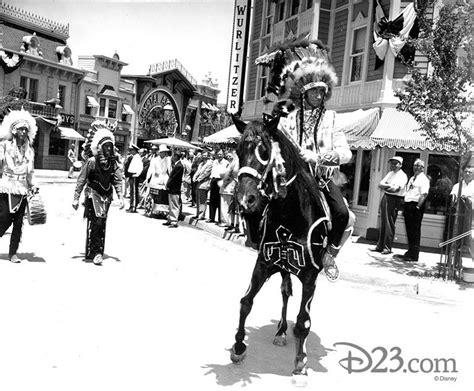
pixel 393 186
pixel 219 167
pixel 467 185
pixel 416 192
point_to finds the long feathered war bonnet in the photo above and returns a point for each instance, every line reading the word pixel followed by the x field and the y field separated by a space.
pixel 101 137
pixel 16 119
pixel 297 67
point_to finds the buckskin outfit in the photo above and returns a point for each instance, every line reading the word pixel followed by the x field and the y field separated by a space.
pixel 99 176
pixel 17 133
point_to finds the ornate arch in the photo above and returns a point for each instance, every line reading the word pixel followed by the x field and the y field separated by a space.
pixel 157 98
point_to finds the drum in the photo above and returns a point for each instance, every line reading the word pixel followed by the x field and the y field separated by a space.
pixel 36 211
pixel 77 165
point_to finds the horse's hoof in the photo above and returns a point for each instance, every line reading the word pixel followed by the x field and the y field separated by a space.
pixel 279 340
pixel 237 358
pixel 299 379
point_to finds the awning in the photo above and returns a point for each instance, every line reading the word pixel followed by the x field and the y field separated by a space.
pixel 126 109
pixel 205 106
pixel 92 102
pixel 225 136
pixel 398 129
pixel 69 134
pixel 358 126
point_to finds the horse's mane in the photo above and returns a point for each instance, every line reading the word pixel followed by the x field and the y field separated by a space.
pixel 305 183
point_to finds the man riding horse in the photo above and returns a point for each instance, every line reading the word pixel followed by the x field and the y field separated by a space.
pixel 302 79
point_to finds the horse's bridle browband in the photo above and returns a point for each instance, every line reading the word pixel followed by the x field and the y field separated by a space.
pixel 262 177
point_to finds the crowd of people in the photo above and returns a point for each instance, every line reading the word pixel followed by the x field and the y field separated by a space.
pixel 204 179
pixel 410 195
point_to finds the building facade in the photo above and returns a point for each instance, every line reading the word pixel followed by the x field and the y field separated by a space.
pixel 105 95
pixel 162 99
pixel 35 56
pixel 365 83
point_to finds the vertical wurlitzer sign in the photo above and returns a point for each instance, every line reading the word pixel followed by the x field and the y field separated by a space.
pixel 238 55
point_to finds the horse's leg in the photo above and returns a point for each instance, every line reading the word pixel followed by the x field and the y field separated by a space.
pixel 259 276
pixel 303 321
pixel 286 292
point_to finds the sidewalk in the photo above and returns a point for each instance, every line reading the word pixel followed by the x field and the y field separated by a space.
pixel 383 272
pixel 356 263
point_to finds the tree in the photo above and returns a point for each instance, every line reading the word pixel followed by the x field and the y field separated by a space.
pixel 14 100
pixel 442 98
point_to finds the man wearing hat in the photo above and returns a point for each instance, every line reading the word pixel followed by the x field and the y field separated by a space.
pixel 393 186
pixel 134 169
pixel 160 168
pixel 416 192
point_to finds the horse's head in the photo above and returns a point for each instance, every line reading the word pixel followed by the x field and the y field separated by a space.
pixel 262 173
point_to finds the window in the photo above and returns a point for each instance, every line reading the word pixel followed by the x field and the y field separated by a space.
pixel 57 145
pixel 263 81
pixel 346 178
pixel 31 88
pixel 357 53
pixel 112 112
pixel 363 196
pixel 279 11
pixel 268 18
pixel 88 108
pixel 102 103
pixel 309 4
pixel 443 172
pixel 294 6
pixel 62 95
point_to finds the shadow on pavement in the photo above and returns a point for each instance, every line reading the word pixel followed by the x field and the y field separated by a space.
pixel 417 269
pixel 265 358
pixel 30 257
pixel 107 257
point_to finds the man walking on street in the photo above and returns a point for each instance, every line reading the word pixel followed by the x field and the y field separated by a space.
pixel 71 155
pixel 416 192
pixel 393 186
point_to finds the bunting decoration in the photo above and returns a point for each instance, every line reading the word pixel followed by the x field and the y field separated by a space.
pixel 10 62
pixel 393 34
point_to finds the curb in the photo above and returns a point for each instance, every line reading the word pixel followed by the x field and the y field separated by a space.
pixel 417 287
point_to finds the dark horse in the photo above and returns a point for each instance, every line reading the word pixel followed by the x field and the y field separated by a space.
pixel 293 231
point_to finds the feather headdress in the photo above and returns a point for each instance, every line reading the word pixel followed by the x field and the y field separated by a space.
pixel 99 133
pixel 298 66
pixel 17 118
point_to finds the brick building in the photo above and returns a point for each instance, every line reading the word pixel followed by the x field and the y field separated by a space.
pixel 35 56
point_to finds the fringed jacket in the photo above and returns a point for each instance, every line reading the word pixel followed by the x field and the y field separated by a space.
pixel 17 167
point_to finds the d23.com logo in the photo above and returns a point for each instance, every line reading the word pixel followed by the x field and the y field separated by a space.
pixel 382 360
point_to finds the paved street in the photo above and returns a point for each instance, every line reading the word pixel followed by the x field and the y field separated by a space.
pixel 162 310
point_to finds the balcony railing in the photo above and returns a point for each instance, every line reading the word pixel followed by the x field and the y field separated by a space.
pixel 41 109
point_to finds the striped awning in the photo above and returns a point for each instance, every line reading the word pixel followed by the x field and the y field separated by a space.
pixel 398 129
pixel 358 126
pixel 126 109
pixel 92 102
pixel 69 133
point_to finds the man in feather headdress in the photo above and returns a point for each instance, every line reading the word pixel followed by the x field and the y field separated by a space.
pixel 99 175
pixel 17 157
pixel 302 79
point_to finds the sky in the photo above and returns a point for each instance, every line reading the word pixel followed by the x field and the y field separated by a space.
pixel 198 33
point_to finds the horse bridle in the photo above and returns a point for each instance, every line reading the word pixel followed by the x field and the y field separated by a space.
pixel 270 165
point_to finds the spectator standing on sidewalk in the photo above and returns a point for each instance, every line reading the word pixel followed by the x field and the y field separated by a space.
pixel 126 163
pixel 134 169
pixel 202 178
pixel 416 192
pixel 174 190
pixel 186 178
pixel 71 156
pixel 219 167
pixel 393 186
pixel 229 182
pixel 195 161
